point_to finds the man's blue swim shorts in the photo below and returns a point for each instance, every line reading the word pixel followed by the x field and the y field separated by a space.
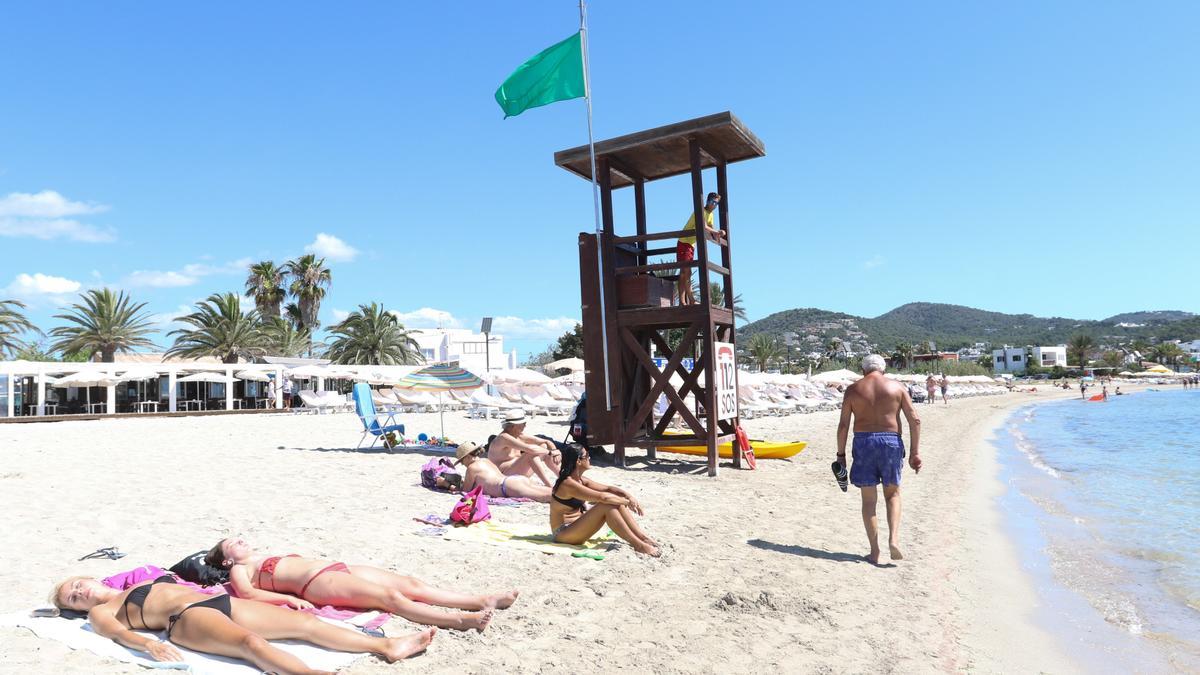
pixel 878 458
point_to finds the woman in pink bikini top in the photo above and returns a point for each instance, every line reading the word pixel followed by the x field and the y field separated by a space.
pixel 300 583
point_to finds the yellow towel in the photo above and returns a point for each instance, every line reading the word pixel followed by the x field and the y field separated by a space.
pixel 518 535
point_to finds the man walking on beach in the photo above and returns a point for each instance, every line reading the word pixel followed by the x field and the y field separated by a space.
pixel 875 404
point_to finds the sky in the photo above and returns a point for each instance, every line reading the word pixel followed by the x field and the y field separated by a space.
pixel 1024 157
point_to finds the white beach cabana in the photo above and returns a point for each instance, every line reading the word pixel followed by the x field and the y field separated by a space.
pixel 517 376
pixel 141 374
pixel 572 364
pixel 87 379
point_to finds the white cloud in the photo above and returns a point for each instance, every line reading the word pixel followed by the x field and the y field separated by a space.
pixel 167 321
pixel 156 279
pixel 329 246
pixel 518 328
pixel 428 317
pixel 45 215
pixel 189 275
pixel 875 261
pixel 339 315
pixel 28 285
pixel 44 204
pixel 37 228
pixel 513 327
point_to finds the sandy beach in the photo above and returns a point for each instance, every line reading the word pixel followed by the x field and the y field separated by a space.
pixel 761 570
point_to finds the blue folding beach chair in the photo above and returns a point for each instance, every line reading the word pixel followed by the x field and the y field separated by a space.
pixel 364 405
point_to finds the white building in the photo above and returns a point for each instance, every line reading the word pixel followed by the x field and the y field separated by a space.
pixel 1008 359
pixel 1049 357
pixel 1192 348
pixel 468 348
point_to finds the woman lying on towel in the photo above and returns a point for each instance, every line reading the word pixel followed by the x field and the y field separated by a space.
pixel 574 523
pixel 215 624
pixel 481 471
pixel 301 582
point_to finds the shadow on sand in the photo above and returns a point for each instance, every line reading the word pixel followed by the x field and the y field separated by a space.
pixel 426 450
pixel 807 552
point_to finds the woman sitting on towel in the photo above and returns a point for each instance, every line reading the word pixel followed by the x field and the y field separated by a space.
pixel 215 624
pixel 303 582
pixel 574 523
pixel 481 471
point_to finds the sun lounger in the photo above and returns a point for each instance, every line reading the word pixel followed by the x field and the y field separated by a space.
pixel 374 425
pixel 312 402
pixel 548 405
pixel 422 401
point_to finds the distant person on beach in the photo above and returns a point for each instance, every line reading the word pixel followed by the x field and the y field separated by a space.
pixel 302 583
pixel 481 471
pixel 1083 389
pixel 215 624
pixel 1104 392
pixel 517 453
pixel 874 405
pixel 945 386
pixel 930 389
pixel 685 247
pixel 573 522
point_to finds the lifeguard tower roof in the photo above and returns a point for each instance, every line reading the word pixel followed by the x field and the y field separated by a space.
pixel 662 152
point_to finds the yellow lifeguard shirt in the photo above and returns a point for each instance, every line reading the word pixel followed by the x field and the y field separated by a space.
pixel 691 225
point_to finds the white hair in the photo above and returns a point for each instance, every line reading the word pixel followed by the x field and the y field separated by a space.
pixel 873 362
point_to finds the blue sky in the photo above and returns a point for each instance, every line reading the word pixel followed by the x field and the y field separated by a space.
pixel 1013 158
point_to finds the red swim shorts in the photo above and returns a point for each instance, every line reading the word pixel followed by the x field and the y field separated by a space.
pixel 684 251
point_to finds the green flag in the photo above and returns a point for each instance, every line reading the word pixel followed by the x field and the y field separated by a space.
pixel 554 74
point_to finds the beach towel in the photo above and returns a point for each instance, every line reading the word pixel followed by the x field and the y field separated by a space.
pixel 78 634
pixel 527 537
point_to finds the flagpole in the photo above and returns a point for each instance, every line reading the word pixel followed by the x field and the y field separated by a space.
pixel 587 97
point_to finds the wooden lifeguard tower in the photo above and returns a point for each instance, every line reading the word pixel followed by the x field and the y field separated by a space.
pixel 637 319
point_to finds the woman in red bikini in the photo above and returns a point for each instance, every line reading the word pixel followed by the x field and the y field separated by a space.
pixel 214 624
pixel 302 582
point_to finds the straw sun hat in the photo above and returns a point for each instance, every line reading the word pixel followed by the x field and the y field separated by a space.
pixel 464 450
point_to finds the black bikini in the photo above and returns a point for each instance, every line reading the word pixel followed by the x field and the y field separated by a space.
pixel 138 596
pixel 573 503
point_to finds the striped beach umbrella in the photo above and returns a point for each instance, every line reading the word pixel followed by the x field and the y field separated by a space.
pixel 440 377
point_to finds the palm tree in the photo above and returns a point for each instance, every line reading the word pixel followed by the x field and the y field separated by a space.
pixel 12 324
pixel 833 347
pixel 763 349
pixel 105 322
pixel 1080 346
pixel 310 278
pixel 292 312
pixel 266 285
pixel 1167 353
pixel 219 328
pixel 903 353
pixel 372 336
pixel 716 294
pixel 284 338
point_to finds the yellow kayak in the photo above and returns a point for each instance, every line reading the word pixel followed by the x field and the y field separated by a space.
pixel 762 449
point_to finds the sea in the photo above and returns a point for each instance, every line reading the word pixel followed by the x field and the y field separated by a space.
pixel 1104 505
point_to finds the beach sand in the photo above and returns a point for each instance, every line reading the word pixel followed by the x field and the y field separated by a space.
pixel 761 570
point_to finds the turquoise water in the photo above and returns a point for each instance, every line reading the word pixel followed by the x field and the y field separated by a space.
pixel 1107 496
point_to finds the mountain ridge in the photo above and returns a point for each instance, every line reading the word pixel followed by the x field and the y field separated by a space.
pixel 954 326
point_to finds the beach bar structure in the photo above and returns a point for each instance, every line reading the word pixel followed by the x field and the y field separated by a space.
pixel 637 320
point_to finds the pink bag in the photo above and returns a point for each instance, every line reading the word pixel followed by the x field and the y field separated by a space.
pixel 471 508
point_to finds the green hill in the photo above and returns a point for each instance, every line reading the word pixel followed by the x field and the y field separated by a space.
pixel 955 326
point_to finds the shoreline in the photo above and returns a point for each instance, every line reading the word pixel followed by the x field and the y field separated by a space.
pixel 1049 537
pixel 761 569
